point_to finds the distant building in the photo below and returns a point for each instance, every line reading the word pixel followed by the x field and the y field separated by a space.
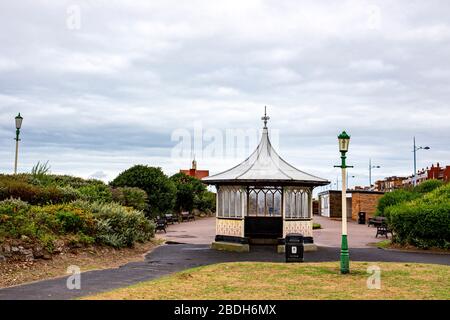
pixel 330 203
pixel 389 184
pixel 364 201
pixel 365 188
pixel 435 172
pixel 439 173
pixel 193 172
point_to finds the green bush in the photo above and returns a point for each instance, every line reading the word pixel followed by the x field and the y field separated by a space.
pixel 423 222
pixel 81 222
pixel 96 192
pixel 130 197
pixel 118 226
pixel 55 189
pixel 393 198
pixel 36 195
pixel 192 194
pixel 317 226
pixel 428 186
pixel 70 221
pixel 160 190
pixel 206 202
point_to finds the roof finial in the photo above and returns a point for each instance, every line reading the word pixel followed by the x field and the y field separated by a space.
pixel 265 118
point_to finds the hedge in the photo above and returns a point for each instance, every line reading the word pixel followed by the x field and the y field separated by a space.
pixel 423 222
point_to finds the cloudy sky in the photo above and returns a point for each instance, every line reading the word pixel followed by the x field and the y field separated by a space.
pixel 103 85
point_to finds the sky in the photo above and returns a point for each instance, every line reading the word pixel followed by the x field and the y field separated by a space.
pixel 104 85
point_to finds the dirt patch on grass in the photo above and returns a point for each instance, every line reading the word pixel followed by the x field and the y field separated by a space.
pixel 251 280
pixel 15 273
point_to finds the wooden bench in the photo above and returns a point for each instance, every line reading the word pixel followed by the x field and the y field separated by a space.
pixel 383 230
pixel 160 224
pixel 376 221
pixel 170 218
pixel 187 216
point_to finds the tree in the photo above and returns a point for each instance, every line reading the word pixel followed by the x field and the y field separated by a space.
pixel 207 202
pixel 189 191
pixel 161 191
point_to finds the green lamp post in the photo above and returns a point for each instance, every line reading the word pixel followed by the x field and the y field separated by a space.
pixel 344 140
pixel 18 126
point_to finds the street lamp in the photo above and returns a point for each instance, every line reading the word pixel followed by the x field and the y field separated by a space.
pixel 344 140
pixel 18 126
pixel 370 172
pixel 415 148
pixel 348 180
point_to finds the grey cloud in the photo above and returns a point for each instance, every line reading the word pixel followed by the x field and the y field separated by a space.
pixel 111 93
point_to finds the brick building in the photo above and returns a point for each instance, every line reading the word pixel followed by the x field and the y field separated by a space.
pixel 439 173
pixel 434 172
pixel 365 201
pixel 193 172
pixel 389 184
pixel 330 204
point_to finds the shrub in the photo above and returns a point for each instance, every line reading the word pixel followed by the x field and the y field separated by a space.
pixel 96 192
pixel 428 186
pixel 80 222
pixel 118 226
pixel 206 202
pixel 189 192
pixel 64 218
pixel 130 197
pixel 423 222
pixel 393 198
pixel 70 221
pixel 35 192
pixel 160 190
pixel 10 206
pixel 47 241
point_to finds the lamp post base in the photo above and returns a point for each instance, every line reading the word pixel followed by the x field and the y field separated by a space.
pixel 345 258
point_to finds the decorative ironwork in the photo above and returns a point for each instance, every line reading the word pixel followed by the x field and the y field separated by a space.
pixel 265 118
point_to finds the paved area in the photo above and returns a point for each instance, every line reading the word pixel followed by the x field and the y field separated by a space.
pixel 170 258
pixel 359 235
pixel 200 231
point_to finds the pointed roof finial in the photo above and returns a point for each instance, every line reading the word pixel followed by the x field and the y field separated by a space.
pixel 265 118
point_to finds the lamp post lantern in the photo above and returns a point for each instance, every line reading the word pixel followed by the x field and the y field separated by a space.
pixel 415 148
pixel 370 172
pixel 18 126
pixel 344 140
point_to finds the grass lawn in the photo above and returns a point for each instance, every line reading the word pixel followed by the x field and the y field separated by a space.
pixel 250 280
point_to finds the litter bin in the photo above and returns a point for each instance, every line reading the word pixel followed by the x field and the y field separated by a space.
pixel 361 217
pixel 294 247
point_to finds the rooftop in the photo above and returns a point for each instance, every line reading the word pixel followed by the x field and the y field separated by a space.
pixel 264 165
